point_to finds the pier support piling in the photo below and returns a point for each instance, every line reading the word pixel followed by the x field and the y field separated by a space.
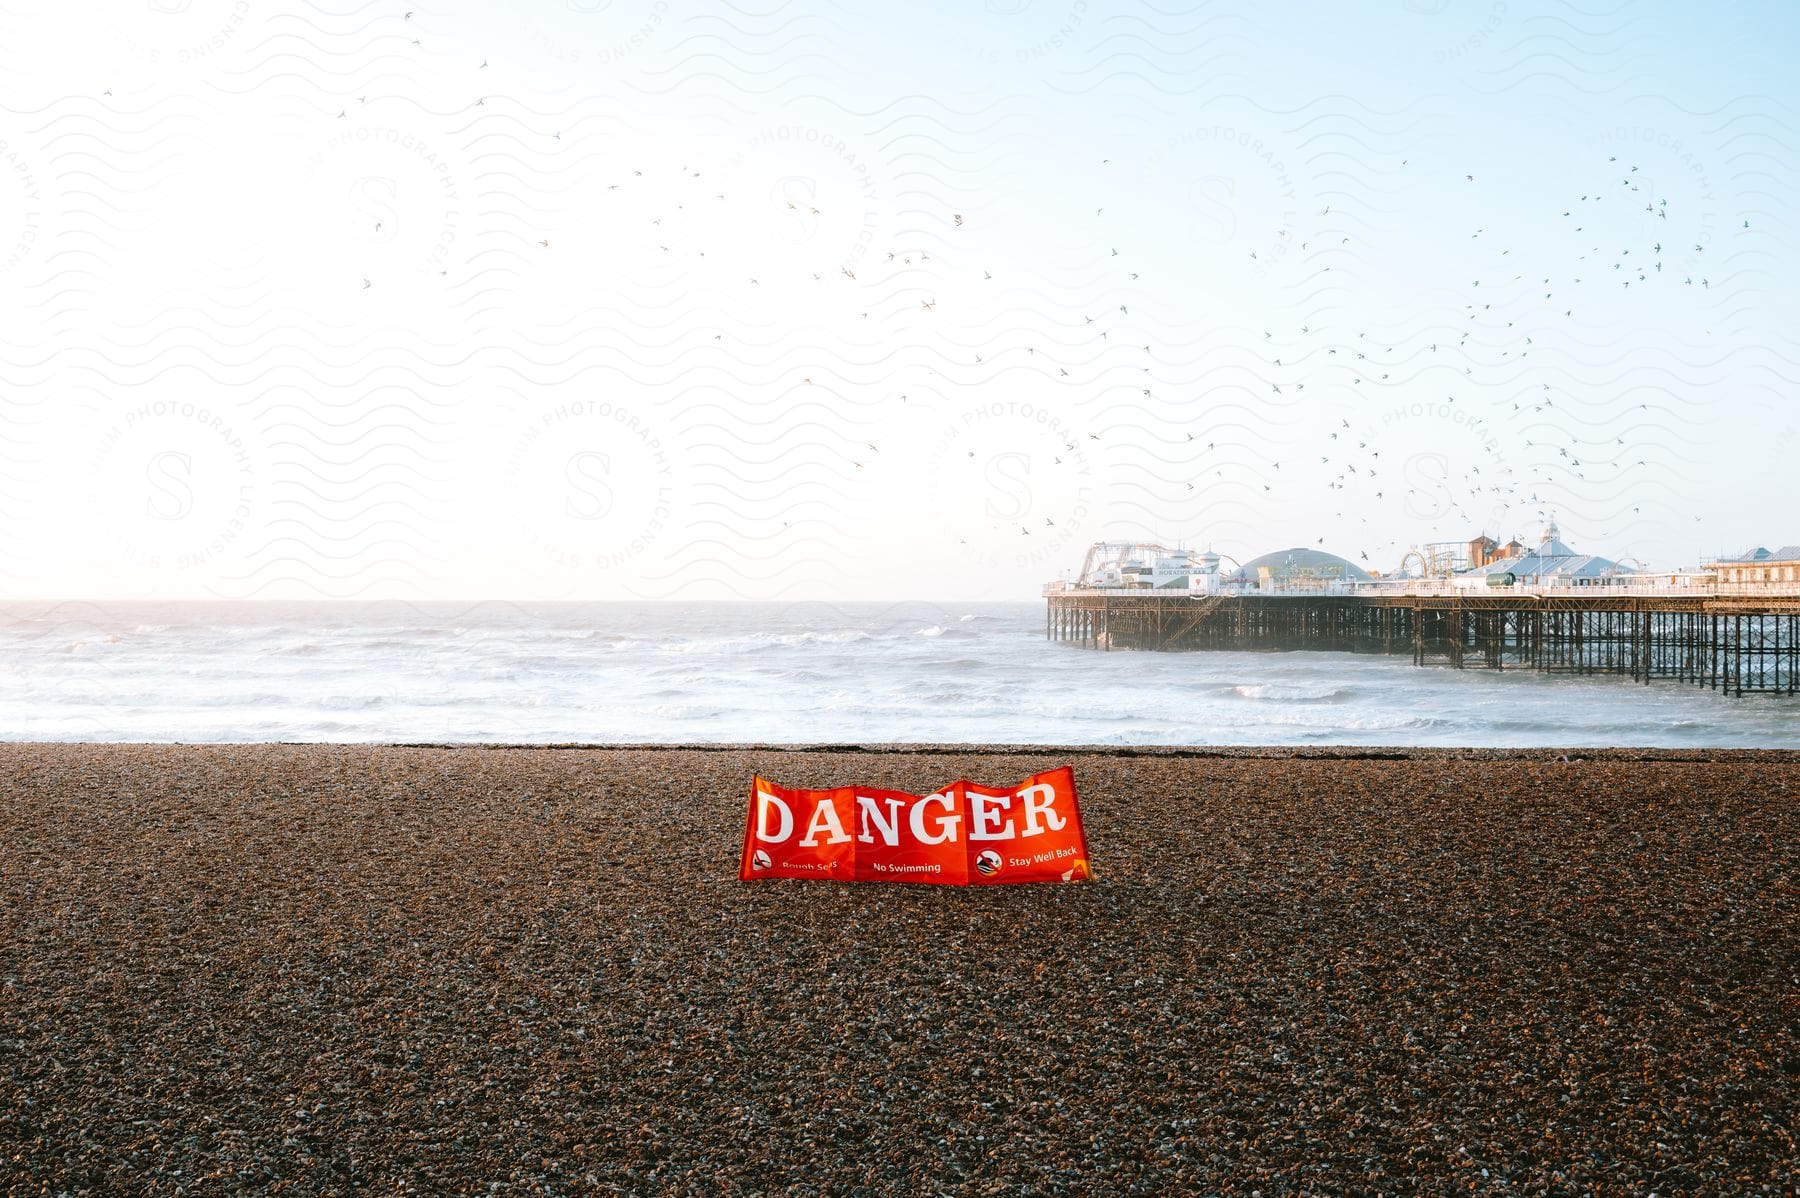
pixel 1732 647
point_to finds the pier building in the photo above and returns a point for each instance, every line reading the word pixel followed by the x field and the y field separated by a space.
pixel 1733 625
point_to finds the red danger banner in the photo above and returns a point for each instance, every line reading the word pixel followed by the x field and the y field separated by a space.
pixel 962 835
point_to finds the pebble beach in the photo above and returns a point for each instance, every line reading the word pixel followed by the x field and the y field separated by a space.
pixel 317 968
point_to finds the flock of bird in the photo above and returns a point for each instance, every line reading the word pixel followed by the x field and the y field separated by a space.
pixel 1489 488
pixel 1352 366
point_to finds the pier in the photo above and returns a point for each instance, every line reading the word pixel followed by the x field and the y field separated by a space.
pixel 1737 645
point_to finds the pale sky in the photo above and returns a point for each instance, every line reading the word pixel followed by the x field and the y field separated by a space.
pixel 876 302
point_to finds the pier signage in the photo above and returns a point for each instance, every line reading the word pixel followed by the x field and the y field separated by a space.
pixel 963 835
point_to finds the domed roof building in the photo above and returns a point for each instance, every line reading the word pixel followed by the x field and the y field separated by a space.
pixel 1298 569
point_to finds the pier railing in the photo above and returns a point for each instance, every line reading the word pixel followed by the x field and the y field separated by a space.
pixel 1439 588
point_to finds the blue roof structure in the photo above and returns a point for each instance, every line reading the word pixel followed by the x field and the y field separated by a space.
pixel 1551 559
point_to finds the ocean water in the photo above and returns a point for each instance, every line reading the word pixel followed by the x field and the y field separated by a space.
pixel 772 673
